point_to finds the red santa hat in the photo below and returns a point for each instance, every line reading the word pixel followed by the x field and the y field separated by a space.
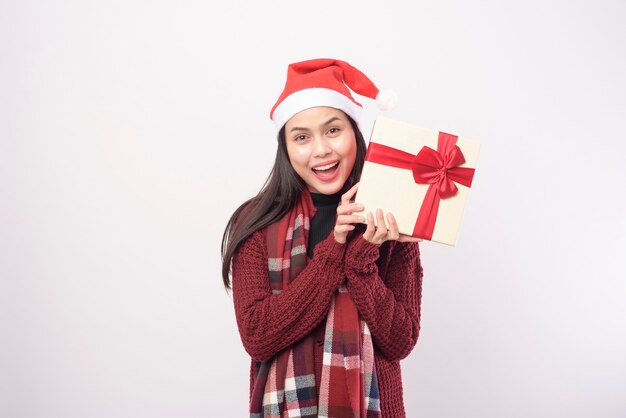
pixel 325 82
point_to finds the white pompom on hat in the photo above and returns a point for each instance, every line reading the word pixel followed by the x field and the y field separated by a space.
pixel 325 82
pixel 386 99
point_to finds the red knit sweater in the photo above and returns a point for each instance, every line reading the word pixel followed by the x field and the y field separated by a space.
pixel 385 283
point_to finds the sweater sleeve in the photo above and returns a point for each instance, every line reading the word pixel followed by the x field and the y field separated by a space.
pixel 390 305
pixel 269 323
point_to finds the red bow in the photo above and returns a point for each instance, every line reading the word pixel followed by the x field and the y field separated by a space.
pixel 438 168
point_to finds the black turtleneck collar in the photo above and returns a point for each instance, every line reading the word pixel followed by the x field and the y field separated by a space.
pixel 320 199
pixel 324 220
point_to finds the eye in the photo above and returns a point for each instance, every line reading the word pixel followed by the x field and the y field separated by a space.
pixel 333 131
pixel 300 138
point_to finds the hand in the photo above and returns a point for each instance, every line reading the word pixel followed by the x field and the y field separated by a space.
pixel 345 219
pixel 385 231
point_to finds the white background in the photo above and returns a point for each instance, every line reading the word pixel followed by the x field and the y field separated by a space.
pixel 130 131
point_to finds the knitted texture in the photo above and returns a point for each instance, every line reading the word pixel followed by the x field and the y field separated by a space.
pixel 384 282
pixel 286 384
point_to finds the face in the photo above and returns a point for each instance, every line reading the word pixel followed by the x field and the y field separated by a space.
pixel 322 148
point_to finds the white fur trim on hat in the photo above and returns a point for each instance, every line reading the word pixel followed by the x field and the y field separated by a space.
pixel 314 97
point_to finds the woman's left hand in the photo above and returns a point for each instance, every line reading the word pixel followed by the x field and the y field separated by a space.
pixel 386 231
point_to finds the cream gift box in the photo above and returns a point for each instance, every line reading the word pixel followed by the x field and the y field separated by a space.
pixel 421 175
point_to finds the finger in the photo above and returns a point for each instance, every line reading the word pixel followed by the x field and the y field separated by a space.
pixel 371 228
pixel 393 234
pixel 347 196
pixel 350 219
pixel 408 238
pixel 380 220
pixel 348 208
pixel 341 232
pixel 381 229
pixel 341 229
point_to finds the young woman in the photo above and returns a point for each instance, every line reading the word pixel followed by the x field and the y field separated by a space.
pixel 327 304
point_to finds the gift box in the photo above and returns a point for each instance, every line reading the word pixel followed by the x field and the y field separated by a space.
pixel 421 175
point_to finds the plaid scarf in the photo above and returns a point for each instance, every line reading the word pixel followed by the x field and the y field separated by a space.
pixel 285 385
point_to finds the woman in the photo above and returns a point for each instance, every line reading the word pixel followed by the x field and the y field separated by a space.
pixel 326 306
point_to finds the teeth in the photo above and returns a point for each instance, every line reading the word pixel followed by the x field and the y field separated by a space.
pixel 325 167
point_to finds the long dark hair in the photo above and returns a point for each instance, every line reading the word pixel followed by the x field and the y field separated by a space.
pixel 277 197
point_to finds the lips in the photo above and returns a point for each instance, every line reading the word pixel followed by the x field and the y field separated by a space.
pixel 327 170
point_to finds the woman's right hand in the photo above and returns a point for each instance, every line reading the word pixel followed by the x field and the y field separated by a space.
pixel 346 222
pixel 345 219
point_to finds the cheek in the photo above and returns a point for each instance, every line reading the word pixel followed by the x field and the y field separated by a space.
pixel 297 156
pixel 349 152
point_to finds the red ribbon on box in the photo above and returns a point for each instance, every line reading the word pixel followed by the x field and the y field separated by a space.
pixel 438 168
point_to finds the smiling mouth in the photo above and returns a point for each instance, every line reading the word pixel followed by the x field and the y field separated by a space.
pixel 327 169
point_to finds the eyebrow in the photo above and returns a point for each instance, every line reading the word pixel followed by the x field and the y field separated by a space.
pixel 328 122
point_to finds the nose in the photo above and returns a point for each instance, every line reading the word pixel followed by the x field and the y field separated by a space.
pixel 321 147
